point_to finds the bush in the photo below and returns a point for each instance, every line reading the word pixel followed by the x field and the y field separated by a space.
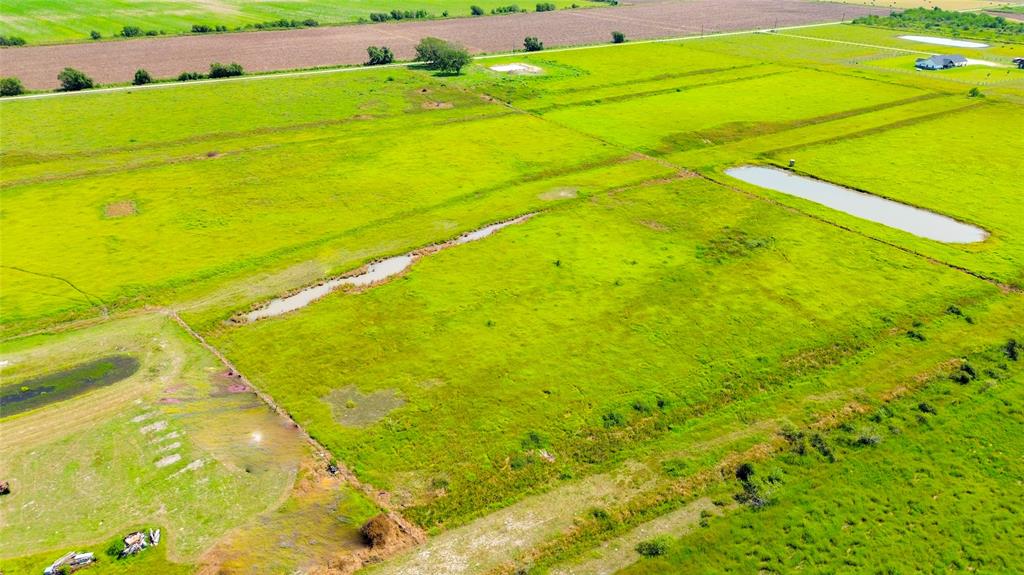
pixel 95 35
pixel 11 87
pixel 545 7
pixel 141 77
pixel 218 70
pixel 72 80
pixel 927 408
pixel 975 92
pixel 379 16
pixel 11 41
pixel 618 37
pixel 818 442
pixel 510 9
pixel 1012 349
pixel 310 23
pixel 532 44
pixel 186 76
pixel 744 472
pixel 131 31
pixel 379 55
pixel 613 419
pixel 653 548
pixel 476 11
pixel 201 29
pixel 442 55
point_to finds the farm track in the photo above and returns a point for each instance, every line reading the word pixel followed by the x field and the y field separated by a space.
pixel 107 62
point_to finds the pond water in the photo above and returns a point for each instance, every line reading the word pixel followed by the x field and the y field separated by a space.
pixel 862 205
pixel 36 392
pixel 375 272
pixel 944 41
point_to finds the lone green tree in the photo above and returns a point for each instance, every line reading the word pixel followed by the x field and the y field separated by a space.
pixel 442 55
pixel 72 80
pixel 618 37
pixel 532 44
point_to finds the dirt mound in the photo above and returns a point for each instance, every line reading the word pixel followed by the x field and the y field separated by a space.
pixel 387 534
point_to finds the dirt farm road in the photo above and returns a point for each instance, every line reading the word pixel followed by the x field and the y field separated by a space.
pixel 108 62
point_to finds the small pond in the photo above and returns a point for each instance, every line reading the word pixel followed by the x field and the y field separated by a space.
pixel 862 205
pixel 43 390
pixel 376 272
pixel 944 41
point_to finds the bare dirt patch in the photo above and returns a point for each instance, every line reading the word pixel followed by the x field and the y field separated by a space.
pixel 38 66
pixel 517 69
pixel 353 408
pixel 431 105
pixel 564 193
pixel 120 209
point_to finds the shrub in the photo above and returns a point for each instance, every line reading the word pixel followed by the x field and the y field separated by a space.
pixel 510 9
pixel 927 408
pixel 201 29
pixel 744 472
pixel 819 443
pixel 975 92
pixel 11 87
pixel 72 80
pixel 379 55
pixel 613 419
pixel 218 70
pixel 186 76
pixel 141 77
pixel 1012 349
pixel 545 6
pixel 131 31
pixel 379 16
pixel 532 44
pixel 310 23
pixel 653 548
pixel 618 37
pixel 476 11
pixel 152 33
pixel 11 41
pixel 95 35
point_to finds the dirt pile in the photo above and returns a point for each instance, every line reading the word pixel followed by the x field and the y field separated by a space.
pixel 386 534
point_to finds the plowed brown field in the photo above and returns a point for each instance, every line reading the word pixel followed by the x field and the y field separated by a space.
pixel 37 66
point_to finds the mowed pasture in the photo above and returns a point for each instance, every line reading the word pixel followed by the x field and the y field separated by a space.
pixel 175 446
pixel 653 314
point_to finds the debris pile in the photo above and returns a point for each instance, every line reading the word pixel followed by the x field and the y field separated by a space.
pixel 73 561
pixel 137 541
pixel 5 488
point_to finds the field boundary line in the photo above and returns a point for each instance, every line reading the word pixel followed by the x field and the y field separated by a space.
pixel 380 498
pixel 349 69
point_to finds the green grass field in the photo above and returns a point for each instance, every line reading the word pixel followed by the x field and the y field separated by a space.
pixel 654 320
pixel 49 21
pixel 937 487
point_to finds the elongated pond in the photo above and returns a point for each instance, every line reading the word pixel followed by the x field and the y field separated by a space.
pixel 862 205
pixel 374 273
pixel 53 387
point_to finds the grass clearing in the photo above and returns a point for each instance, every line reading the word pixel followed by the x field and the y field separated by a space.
pixel 91 468
pixel 654 320
pixel 936 487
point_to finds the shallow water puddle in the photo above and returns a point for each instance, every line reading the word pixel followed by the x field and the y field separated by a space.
pixel 374 273
pixel 862 205
pixel 944 41
pixel 53 387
